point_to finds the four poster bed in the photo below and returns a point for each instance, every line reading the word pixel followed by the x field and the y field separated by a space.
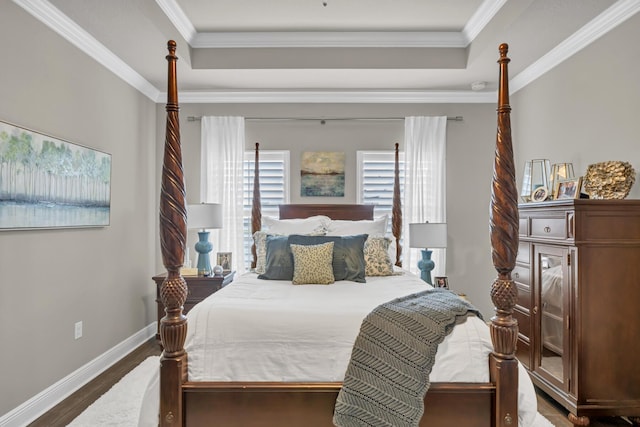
pixel 190 397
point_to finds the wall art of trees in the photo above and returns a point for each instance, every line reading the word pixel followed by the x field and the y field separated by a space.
pixel 38 169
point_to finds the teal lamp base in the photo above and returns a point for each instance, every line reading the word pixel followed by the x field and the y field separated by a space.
pixel 425 265
pixel 203 247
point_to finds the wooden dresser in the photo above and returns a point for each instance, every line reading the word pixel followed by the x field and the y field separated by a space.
pixel 578 278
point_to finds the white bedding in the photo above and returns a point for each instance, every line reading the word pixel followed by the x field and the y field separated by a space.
pixel 262 330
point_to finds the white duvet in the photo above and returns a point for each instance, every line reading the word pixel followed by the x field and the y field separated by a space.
pixel 261 330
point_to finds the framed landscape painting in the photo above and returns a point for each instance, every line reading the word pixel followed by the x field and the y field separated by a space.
pixel 322 174
pixel 46 182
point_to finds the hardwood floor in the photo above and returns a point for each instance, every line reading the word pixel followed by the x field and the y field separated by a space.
pixel 557 415
pixel 67 410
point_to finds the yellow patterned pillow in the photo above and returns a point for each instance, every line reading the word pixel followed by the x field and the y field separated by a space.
pixel 312 264
pixel 376 257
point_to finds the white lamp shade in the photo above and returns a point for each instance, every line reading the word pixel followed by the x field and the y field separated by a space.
pixel 428 235
pixel 204 216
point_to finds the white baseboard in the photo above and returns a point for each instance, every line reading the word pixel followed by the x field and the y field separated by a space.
pixel 48 398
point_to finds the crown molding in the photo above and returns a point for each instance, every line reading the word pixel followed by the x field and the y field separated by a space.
pixel 179 19
pixel 63 25
pixel 481 18
pixel 333 97
pixel 593 30
pixel 284 39
pixel 44 11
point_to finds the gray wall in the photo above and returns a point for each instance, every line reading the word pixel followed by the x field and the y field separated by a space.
pixel 54 278
pixel 586 110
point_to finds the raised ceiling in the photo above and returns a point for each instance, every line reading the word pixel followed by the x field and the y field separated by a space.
pixel 331 51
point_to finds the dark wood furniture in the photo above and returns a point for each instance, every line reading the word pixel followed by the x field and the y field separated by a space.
pixel 345 212
pixel 311 404
pixel 578 275
pixel 198 288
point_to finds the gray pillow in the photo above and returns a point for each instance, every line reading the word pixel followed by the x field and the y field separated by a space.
pixel 348 254
pixel 279 260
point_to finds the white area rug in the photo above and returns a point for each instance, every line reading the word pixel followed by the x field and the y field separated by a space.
pixel 120 406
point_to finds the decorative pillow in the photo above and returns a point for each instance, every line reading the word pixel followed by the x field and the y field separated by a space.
pixel 348 254
pixel 260 240
pixel 315 225
pixel 376 227
pixel 279 264
pixel 376 256
pixel 312 264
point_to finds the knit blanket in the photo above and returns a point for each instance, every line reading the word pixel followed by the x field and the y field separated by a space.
pixel 388 374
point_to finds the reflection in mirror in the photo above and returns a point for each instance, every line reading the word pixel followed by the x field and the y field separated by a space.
pixel 551 314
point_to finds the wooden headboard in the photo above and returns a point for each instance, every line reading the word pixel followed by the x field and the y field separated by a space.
pixel 344 212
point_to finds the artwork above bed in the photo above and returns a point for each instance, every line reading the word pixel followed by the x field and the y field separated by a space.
pixel 322 174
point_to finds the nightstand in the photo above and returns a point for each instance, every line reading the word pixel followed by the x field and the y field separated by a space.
pixel 199 287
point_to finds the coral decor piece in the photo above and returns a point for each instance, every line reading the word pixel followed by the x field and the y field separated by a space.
pixel 609 180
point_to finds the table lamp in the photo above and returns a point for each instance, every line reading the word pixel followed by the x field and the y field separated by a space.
pixel 203 217
pixel 427 235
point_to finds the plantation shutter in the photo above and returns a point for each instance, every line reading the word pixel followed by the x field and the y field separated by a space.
pixel 375 180
pixel 274 189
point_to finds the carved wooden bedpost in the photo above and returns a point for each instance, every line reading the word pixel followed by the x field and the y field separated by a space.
pixel 396 211
pixel 173 232
pixel 504 243
pixel 256 207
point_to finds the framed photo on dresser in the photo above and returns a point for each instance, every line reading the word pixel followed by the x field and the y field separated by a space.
pixel 568 189
pixel 441 282
pixel 224 260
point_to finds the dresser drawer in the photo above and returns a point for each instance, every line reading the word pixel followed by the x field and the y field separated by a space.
pixel 523 352
pixel 549 228
pixel 524 322
pixel 524 296
pixel 523 226
pixel 202 290
pixel 524 253
pixel 521 274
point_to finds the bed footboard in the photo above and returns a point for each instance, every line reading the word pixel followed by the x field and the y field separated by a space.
pixel 312 404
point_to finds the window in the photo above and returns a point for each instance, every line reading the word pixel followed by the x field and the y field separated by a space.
pixel 375 180
pixel 274 189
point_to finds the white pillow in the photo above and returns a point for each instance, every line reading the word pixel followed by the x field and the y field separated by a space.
pixel 312 225
pixel 376 227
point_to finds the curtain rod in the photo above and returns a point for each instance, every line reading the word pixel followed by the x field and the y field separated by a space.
pixel 323 119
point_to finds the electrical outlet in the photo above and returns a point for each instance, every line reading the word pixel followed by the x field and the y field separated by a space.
pixel 78 330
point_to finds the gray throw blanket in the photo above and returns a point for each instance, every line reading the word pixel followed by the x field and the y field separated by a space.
pixel 388 375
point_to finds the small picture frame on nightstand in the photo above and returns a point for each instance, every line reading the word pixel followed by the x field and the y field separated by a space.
pixel 441 282
pixel 224 260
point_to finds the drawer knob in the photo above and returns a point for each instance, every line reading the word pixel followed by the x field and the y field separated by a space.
pixel 535 310
pixel 547 229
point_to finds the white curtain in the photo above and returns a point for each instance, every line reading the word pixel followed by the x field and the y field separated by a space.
pixel 424 183
pixel 222 150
